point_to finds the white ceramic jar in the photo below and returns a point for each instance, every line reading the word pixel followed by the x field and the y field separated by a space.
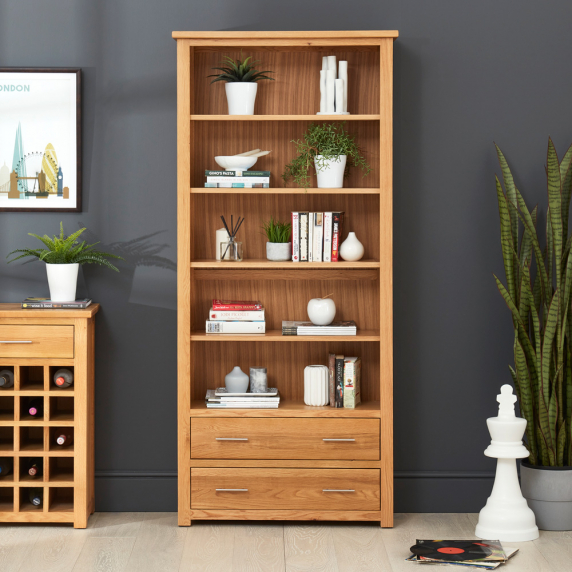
pixel 316 391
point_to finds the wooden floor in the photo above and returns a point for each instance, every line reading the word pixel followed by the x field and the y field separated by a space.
pixel 152 542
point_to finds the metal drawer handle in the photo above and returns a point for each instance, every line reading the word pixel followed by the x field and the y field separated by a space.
pixel 231 439
pixel 15 341
pixel 338 490
pixel 231 490
pixel 348 440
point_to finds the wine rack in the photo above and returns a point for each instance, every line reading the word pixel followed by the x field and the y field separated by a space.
pixel 66 472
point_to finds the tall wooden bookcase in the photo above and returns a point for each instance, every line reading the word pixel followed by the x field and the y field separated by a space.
pixel 296 462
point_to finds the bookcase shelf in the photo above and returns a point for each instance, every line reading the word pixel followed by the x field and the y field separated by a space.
pixel 362 290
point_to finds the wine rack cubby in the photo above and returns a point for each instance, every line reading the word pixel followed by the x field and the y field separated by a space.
pixel 64 481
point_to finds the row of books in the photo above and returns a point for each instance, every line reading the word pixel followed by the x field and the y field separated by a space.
pixel 220 399
pixel 345 381
pixel 236 317
pixel 316 237
pixel 237 179
pixel 290 328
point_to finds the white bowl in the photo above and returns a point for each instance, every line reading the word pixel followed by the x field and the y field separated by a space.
pixel 233 163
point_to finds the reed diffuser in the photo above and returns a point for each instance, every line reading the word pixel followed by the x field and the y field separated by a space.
pixel 231 251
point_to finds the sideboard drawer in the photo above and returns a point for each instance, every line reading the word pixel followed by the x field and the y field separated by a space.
pixel 36 341
pixel 289 489
pixel 285 438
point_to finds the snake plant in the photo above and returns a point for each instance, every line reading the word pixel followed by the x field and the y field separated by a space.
pixel 541 308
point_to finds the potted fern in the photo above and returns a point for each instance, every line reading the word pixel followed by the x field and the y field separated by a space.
pixel 62 256
pixel 326 148
pixel 241 83
pixel 541 309
pixel 278 247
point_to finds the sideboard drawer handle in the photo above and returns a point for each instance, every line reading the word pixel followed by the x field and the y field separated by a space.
pixel 231 439
pixel 345 440
pixel 338 490
pixel 15 341
pixel 231 490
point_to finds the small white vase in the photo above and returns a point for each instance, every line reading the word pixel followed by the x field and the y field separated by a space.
pixel 279 251
pixel 316 389
pixel 236 381
pixel 62 280
pixel 240 97
pixel 331 173
pixel 351 248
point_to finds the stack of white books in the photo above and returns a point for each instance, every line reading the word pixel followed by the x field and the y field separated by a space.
pixel 221 398
pixel 236 317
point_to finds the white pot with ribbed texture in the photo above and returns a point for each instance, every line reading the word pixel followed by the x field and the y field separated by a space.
pixel 316 388
pixel 62 280
pixel 241 97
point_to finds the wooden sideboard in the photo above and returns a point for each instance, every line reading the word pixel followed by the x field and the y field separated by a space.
pixel 33 344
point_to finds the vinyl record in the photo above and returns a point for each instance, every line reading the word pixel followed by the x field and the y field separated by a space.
pixel 451 550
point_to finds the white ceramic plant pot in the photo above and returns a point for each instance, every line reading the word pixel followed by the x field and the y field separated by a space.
pixel 241 96
pixel 331 173
pixel 279 251
pixel 351 248
pixel 62 280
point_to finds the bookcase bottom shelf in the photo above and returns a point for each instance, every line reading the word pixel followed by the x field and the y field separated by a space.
pixel 290 408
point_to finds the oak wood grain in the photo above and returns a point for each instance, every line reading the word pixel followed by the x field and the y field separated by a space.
pixel 45 341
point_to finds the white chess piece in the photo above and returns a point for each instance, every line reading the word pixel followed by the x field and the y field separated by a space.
pixel 506 516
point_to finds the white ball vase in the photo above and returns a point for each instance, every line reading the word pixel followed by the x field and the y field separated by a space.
pixel 62 280
pixel 241 97
pixel 351 248
pixel 321 311
pixel 316 389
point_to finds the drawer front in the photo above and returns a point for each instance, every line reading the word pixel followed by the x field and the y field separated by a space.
pixel 286 489
pixel 282 438
pixel 36 341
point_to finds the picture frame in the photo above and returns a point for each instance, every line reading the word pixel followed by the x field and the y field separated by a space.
pixel 40 140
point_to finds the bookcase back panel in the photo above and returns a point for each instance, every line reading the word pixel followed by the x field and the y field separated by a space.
pixel 214 138
pixel 211 361
pixel 361 216
pixel 296 87
pixel 356 300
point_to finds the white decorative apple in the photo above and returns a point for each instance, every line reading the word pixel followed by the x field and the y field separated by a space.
pixel 321 311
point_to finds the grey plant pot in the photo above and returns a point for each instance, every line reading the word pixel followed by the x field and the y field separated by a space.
pixel 279 251
pixel 548 491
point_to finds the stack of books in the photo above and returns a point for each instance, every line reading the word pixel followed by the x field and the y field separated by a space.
pixel 345 381
pixel 316 237
pixel 220 398
pixel 348 328
pixel 236 317
pixel 47 304
pixel 238 179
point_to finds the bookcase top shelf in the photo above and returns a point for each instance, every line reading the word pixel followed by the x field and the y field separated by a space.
pixel 373 117
pixel 266 35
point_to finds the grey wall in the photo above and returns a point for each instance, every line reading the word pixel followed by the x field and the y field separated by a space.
pixel 466 74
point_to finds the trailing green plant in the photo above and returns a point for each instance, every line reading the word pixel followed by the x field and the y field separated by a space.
pixel 541 309
pixel 66 250
pixel 237 70
pixel 277 231
pixel 326 141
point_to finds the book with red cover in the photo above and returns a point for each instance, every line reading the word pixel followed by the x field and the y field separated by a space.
pixel 236 305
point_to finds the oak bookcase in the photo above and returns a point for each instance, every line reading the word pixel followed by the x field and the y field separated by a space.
pixel 33 344
pixel 284 465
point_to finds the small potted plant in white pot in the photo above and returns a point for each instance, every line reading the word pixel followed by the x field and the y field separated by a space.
pixel 241 84
pixel 278 247
pixel 329 149
pixel 62 256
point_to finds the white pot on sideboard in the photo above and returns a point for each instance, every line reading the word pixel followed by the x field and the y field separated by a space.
pixel 62 280
pixel 240 97
pixel 330 172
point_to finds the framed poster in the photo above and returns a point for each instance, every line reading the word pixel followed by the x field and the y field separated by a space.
pixel 40 139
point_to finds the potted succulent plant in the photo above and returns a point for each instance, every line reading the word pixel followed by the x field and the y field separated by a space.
pixel 241 83
pixel 326 147
pixel 542 317
pixel 278 246
pixel 62 256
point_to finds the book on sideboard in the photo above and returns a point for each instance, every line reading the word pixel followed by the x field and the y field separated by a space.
pixel 47 304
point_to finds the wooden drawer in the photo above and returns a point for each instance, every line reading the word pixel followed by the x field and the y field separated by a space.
pixel 36 341
pixel 283 438
pixel 285 489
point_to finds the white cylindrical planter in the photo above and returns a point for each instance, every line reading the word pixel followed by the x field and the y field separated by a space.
pixel 62 280
pixel 240 97
pixel 351 248
pixel 316 389
pixel 279 251
pixel 331 172
pixel 343 75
